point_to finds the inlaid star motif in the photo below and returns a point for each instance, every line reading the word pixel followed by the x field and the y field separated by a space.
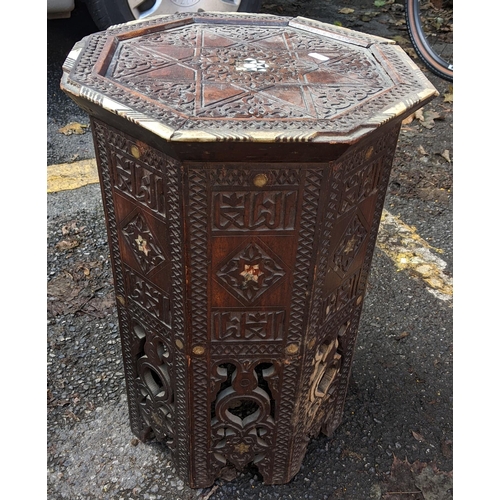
pixel 242 448
pixel 142 244
pixel 251 273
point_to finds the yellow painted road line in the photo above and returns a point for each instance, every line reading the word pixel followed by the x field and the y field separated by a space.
pixel 411 253
pixel 71 175
pixel 400 242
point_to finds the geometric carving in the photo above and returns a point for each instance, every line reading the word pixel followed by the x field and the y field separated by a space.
pixel 154 385
pixel 250 272
pixel 148 296
pixel 240 77
pixel 359 185
pixel 188 72
pixel 247 325
pixel 263 210
pixel 141 182
pixel 243 413
pixel 143 243
pixel 349 245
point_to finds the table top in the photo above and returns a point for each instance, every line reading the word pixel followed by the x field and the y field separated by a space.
pixel 245 77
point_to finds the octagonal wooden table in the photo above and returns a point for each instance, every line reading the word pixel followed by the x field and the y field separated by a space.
pixel 243 161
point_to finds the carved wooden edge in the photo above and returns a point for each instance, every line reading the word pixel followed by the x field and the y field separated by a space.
pixel 128 312
pixel 103 160
pixel 408 93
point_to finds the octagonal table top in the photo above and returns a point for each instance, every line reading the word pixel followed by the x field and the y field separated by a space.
pixel 245 77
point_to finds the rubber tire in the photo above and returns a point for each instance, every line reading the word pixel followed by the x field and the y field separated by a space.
pixel 419 41
pixel 106 13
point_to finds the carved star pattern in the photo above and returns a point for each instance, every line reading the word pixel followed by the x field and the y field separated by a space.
pixel 142 244
pixel 251 273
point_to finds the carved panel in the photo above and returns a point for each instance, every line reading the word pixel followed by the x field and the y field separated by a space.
pixel 243 410
pixel 141 182
pixel 247 210
pixel 251 271
pixel 143 243
pixel 247 324
pixel 137 212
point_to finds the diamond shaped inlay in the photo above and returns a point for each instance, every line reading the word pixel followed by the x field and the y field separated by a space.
pixel 349 245
pixel 143 243
pixel 250 272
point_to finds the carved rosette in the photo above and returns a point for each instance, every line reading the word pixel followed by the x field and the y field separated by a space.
pixel 250 272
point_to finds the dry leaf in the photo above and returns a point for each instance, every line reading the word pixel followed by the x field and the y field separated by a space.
pixel 408 120
pixel 346 11
pixel 73 128
pixel 428 118
pixel 418 480
pixel 446 448
pixel 400 40
pixel 419 115
pixel 64 245
pixel 418 436
pixel 71 227
pixel 446 155
pixel 434 484
pixel 448 96
pixel 402 336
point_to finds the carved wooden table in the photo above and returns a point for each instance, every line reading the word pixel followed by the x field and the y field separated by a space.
pixel 243 161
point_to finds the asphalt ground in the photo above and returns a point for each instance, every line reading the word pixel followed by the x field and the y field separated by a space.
pixel 396 440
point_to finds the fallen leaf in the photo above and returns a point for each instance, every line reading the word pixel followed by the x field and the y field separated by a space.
pixel 422 151
pixel 400 40
pixel 402 336
pixel 61 292
pixel 434 484
pixel 448 96
pixel 73 128
pixel 71 227
pixel 71 415
pixel 64 245
pixel 408 120
pixel 446 155
pixel 418 436
pixel 420 480
pixel 446 448
pixel 427 118
pixel 401 480
pixel 346 11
